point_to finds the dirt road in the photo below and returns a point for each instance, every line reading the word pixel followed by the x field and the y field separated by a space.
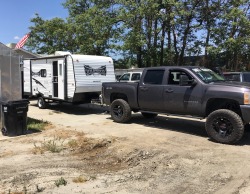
pixel 92 154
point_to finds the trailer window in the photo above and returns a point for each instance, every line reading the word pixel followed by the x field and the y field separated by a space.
pixel 60 69
pixel 43 73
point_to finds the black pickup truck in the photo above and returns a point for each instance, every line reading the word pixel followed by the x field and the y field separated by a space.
pixel 192 91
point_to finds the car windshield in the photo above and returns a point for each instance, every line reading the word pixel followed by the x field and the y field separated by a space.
pixel 207 75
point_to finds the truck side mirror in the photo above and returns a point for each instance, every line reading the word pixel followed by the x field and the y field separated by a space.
pixel 185 81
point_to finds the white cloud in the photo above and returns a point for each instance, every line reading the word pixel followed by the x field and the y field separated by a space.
pixel 16 37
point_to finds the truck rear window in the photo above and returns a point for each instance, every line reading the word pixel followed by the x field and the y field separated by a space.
pixel 153 77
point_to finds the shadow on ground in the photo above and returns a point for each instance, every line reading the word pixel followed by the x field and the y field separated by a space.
pixel 183 125
pixel 82 109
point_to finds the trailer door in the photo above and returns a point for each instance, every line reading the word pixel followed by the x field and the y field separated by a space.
pixel 61 79
pixel 55 79
pixel 58 79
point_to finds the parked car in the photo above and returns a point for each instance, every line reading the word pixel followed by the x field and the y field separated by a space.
pixel 237 76
pixel 130 77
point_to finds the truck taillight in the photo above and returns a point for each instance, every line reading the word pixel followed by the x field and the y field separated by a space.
pixel 246 98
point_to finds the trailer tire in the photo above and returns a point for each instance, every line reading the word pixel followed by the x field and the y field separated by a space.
pixel 4 131
pixel 224 126
pixel 120 111
pixel 148 115
pixel 41 103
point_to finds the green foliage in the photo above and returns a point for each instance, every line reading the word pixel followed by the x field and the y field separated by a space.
pixel 36 125
pixel 60 182
pixel 55 145
pixel 48 36
pixel 149 32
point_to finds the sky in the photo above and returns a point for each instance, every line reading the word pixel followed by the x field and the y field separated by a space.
pixel 15 16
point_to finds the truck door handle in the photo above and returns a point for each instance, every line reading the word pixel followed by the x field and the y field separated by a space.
pixel 169 90
pixel 144 88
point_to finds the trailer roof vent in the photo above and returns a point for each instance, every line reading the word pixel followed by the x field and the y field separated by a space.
pixel 62 53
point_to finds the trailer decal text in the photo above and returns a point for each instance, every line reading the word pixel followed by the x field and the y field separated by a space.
pixel 91 71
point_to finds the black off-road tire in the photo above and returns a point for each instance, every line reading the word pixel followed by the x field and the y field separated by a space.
pixel 224 126
pixel 41 103
pixel 148 115
pixel 120 111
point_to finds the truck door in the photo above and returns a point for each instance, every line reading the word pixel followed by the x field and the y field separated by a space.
pixel 58 79
pixel 181 99
pixel 150 91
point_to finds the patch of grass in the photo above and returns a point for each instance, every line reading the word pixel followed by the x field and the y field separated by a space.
pixel 36 125
pixel 60 182
pixel 55 145
pixel 73 144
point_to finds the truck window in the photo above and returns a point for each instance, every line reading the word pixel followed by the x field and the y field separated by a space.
pixel 153 77
pixel 246 77
pixel 232 77
pixel 125 77
pixel 135 77
pixel 174 77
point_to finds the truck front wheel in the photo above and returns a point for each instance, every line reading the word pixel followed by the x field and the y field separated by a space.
pixel 120 111
pixel 224 126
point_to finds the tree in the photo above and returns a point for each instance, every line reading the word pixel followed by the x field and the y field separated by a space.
pixel 48 36
pixel 232 33
pixel 94 22
pixel 147 33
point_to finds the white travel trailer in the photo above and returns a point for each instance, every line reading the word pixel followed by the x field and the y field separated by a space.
pixel 66 77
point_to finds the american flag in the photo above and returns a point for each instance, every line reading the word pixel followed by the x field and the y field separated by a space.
pixel 22 41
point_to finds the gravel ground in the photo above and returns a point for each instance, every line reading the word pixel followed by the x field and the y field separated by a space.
pixel 84 151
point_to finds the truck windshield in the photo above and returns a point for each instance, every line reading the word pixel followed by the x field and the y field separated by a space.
pixel 207 75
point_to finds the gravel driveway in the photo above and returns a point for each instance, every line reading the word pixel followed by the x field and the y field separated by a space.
pixel 161 155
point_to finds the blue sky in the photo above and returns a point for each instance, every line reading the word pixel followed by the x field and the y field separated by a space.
pixel 15 16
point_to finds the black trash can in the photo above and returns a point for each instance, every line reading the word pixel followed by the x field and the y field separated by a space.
pixel 14 117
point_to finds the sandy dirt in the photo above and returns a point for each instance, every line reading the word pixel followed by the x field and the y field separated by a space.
pixel 84 151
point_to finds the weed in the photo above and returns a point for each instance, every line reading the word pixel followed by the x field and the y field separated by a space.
pixel 55 145
pixel 60 182
pixel 38 149
pixel 80 179
pixel 73 144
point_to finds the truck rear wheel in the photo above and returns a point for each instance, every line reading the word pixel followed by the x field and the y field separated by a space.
pixel 224 126
pixel 120 111
pixel 41 103
pixel 148 115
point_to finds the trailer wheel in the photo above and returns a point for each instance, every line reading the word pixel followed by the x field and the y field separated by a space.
pixel 4 131
pixel 148 115
pixel 41 103
pixel 224 126
pixel 120 111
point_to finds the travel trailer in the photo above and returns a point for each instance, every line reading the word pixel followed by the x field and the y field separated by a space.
pixel 66 77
